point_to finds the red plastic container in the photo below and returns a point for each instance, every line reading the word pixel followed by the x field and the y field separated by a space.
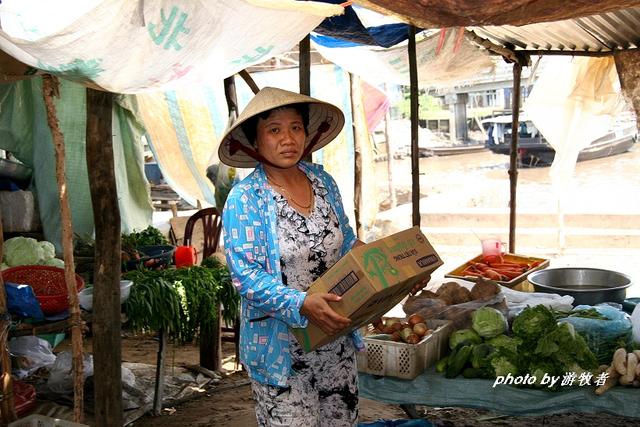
pixel 185 256
pixel 47 283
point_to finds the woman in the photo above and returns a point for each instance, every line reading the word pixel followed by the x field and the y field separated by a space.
pixel 284 225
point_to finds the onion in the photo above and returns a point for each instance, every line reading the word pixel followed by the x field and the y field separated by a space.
pixel 412 339
pixel 420 329
pixel 391 322
pixel 415 318
pixel 405 333
pixel 396 336
pixel 397 326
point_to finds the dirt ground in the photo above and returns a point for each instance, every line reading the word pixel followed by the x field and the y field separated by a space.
pixel 229 403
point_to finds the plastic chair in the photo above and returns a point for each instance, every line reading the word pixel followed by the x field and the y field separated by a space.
pixel 211 230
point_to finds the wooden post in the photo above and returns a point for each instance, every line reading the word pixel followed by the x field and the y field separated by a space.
pixel 513 165
pixel 304 65
pixel 415 160
pixel 392 189
pixel 356 98
pixel 50 88
pixel 210 332
pixel 304 73
pixel 107 355
pixel 7 409
pixel 159 388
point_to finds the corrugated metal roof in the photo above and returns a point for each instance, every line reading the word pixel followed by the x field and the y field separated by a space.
pixel 598 33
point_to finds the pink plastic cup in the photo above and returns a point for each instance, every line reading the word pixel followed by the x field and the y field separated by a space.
pixel 492 247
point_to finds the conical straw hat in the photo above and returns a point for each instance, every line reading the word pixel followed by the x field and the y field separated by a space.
pixel 323 117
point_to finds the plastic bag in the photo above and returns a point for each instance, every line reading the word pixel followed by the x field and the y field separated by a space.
pixel 603 336
pixel 22 301
pixel 458 314
pixel 60 375
pixel 518 301
pixel 635 321
pixel 32 353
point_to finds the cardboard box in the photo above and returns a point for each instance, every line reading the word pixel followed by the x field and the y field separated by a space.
pixel 372 279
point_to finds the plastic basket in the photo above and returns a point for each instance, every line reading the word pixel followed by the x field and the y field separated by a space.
pixel 37 420
pixel 47 282
pixel 406 361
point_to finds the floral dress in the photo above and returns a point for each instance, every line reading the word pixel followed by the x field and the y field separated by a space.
pixel 323 390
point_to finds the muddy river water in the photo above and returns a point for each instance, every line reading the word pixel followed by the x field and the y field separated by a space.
pixel 609 186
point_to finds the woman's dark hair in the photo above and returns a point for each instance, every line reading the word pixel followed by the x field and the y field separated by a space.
pixel 250 126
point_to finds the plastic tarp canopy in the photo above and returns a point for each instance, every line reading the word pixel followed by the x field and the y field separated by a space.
pixel 574 101
pixel 125 46
pixel 443 60
pixel 348 30
pixel 433 389
pixel 24 132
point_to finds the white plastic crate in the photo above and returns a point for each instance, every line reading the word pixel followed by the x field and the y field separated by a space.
pixel 402 360
pixel 37 420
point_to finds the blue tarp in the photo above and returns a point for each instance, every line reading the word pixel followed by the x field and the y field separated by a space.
pixel 347 31
pixel 433 389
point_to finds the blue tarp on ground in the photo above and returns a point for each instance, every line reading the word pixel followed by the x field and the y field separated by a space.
pixel 433 389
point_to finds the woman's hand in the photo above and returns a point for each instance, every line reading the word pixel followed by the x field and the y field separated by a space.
pixel 420 285
pixel 316 308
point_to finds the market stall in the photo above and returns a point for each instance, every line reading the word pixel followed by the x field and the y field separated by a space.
pixel 507 351
pixel 169 64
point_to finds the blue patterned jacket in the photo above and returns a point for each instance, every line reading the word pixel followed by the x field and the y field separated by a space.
pixel 253 257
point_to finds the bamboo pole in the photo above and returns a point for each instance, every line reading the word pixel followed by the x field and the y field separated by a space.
pixel 50 88
pixel 107 345
pixel 415 160
pixel 7 408
pixel 513 164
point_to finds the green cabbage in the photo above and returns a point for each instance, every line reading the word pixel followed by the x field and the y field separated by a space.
pixel 48 250
pixel 23 251
pixel 488 322
pixel 533 323
pixel 28 251
pixel 505 344
pixel 55 262
pixel 503 365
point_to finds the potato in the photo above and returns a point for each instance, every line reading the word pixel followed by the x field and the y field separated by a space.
pixel 484 289
pixel 447 287
pixel 461 295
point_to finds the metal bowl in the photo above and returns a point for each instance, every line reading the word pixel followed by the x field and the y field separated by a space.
pixel 14 170
pixel 586 285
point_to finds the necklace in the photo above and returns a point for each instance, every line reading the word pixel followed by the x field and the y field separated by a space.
pixel 288 195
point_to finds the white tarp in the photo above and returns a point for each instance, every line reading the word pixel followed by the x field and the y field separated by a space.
pixel 128 46
pixel 444 59
pixel 573 103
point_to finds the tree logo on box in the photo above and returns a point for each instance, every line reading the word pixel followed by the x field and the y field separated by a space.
pixel 377 264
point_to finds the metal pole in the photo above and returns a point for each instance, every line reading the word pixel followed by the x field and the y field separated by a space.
pixel 513 165
pixel 415 161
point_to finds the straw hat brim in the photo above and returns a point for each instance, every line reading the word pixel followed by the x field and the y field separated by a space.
pixel 268 99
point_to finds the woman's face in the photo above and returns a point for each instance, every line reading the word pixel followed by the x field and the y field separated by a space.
pixel 281 137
